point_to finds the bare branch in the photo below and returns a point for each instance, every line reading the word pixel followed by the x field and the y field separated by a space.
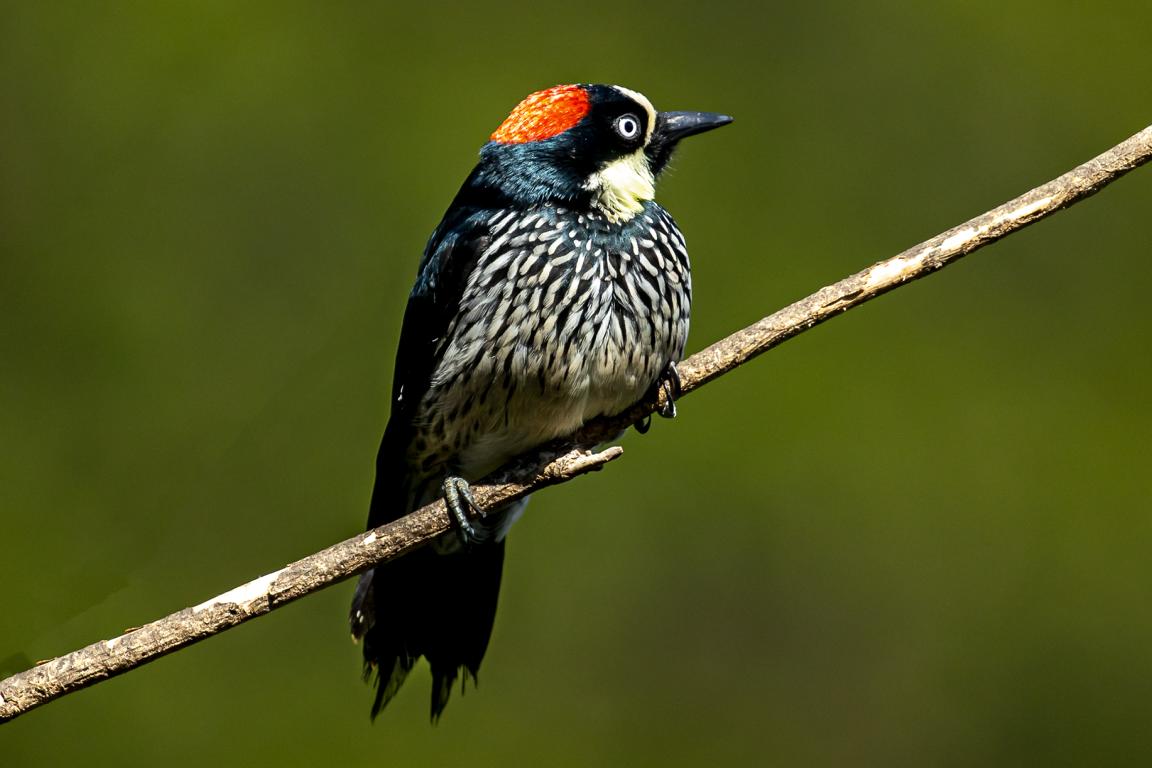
pixel 99 661
pixel 560 462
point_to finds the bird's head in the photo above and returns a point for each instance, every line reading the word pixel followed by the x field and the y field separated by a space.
pixel 600 146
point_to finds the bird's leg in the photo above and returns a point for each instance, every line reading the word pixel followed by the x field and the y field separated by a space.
pixel 669 384
pixel 458 497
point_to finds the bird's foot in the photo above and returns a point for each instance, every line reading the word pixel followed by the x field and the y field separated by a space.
pixel 669 385
pixel 458 497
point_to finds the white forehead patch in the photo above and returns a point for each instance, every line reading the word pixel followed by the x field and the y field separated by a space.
pixel 642 100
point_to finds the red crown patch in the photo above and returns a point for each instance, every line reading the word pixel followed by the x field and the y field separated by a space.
pixel 543 115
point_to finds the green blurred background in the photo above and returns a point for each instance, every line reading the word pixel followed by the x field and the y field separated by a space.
pixel 916 536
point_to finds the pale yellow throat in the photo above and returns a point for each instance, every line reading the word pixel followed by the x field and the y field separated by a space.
pixel 621 187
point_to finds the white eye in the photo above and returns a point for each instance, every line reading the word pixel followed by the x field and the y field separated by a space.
pixel 628 126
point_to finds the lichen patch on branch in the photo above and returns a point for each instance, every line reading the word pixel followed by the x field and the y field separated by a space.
pixel 245 594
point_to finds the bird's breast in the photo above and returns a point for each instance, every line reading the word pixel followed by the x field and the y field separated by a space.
pixel 565 317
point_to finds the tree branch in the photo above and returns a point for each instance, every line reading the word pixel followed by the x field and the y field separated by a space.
pixel 561 461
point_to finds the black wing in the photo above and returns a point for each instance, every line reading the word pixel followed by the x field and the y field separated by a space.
pixel 410 591
pixel 448 259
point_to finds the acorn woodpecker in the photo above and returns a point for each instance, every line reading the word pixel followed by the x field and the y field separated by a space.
pixel 553 291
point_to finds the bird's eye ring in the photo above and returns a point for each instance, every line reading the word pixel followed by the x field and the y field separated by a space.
pixel 628 126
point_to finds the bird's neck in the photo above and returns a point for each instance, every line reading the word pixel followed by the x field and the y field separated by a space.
pixel 521 176
pixel 526 176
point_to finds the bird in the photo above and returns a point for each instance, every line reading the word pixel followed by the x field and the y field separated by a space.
pixel 554 290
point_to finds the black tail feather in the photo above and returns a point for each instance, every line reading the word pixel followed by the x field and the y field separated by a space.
pixel 440 606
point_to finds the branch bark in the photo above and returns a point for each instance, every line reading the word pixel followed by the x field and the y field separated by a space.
pixel 559 462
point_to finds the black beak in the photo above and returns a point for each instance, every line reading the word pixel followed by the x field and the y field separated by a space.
pixel 673 126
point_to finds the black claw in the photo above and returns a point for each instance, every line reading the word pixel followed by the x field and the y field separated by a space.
pixel 458 497
pixel 644 424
